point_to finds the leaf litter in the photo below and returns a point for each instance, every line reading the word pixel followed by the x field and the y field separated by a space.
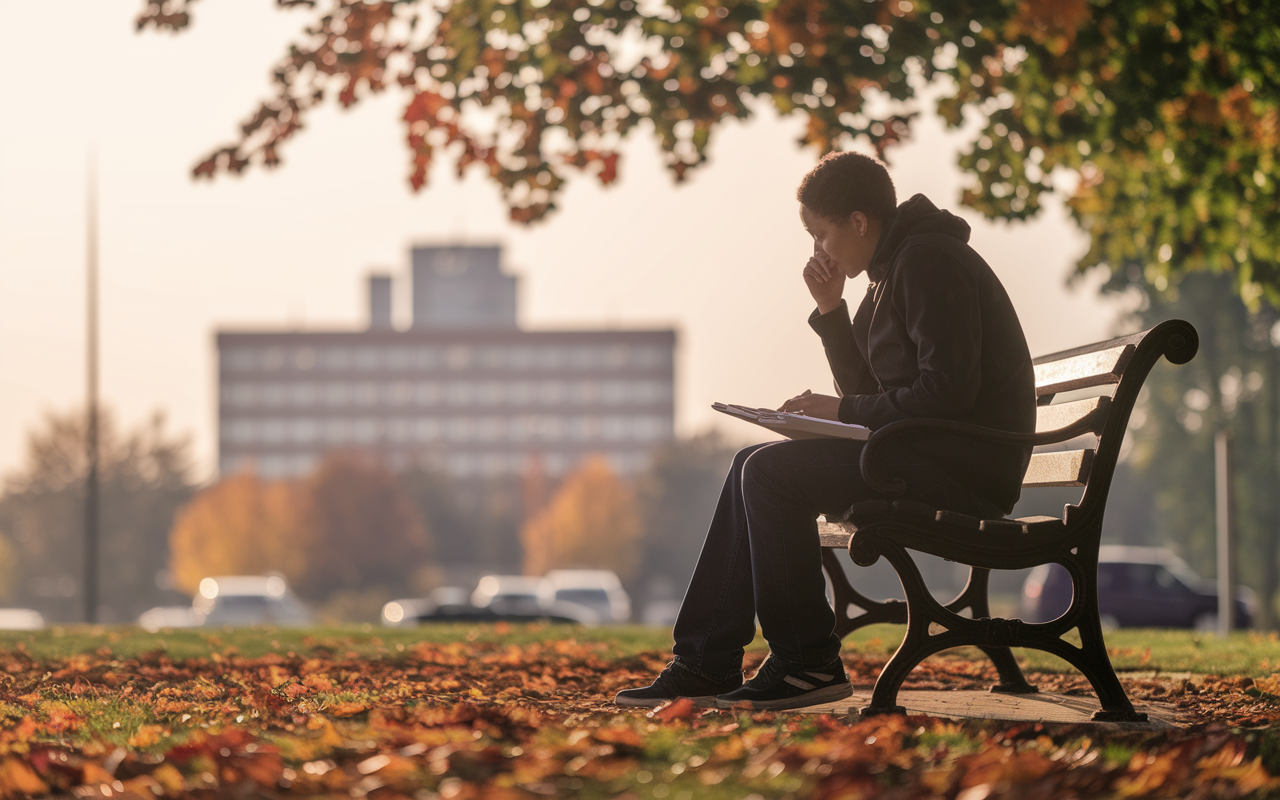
pixel 493 720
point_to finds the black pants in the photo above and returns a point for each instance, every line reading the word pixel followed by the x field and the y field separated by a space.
pixel 762 560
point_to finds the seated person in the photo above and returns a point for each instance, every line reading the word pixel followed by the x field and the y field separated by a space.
pixel 935 336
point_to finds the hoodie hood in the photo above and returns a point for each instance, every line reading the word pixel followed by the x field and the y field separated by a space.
pixel 914 217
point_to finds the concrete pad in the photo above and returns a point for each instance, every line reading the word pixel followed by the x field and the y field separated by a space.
pixel 975 704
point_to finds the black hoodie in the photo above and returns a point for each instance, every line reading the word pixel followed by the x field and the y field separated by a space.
pixel 936 336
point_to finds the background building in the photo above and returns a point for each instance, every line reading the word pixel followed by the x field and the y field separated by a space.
pixel 463 390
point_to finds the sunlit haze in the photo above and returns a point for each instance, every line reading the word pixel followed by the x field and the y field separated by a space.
pixel 719 258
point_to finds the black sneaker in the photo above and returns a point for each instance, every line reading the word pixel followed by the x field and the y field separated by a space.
pixel 674 683
pixel 778 686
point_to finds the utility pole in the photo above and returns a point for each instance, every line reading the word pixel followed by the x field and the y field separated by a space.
pixel 91 392
pixel 1225 474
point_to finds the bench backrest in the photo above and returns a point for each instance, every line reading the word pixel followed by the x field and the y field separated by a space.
pixel 1114 371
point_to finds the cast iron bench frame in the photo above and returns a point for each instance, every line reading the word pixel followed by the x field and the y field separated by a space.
pixel 1114 371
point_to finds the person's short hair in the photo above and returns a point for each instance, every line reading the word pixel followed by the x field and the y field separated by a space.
pixel 843 183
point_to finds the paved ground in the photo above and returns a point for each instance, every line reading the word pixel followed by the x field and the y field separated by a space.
pixel 1043 707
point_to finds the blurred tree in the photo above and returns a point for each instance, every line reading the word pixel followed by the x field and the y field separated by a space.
pixel 592 521
pixel 1165 111
pixel 146 477
pixel 677 495
pixel 1233 383
pixel 242 525
pixel 468 524
pixel 365 530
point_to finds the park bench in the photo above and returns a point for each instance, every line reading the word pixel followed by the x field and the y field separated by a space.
pixel 1100 383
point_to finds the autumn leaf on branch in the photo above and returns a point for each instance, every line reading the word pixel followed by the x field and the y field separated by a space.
pixel 1159 121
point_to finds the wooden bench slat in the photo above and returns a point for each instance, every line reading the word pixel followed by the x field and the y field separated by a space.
pixel 1056 417
pixel 1066 468
pixel 1082 371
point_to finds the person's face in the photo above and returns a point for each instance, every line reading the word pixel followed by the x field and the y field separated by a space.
pixel 850 242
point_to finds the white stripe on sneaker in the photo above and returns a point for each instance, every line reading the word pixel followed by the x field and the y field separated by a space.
pixel 820 676
pixel 794 681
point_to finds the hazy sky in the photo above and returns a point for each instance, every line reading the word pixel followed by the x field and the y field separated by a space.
pixel 718 258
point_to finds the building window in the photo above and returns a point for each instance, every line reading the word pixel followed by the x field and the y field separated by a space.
pixel 273 394
pixel 304 358
pixel 273 430
pixel 586 391
pixel 337 431
pixel 458 429
pixel 425 357
pixel 520 393
pixel 273 358
pixel 458 356
pixel 399 430
pixel 616 356
pixel 335 358
pixel 651 356
pixel 366 431
pixel 458 392
pixel 368 358
pixel 240 431
pixel 426 393
pixel 399 358
pixel 337 394
pixel 426 429
pixel 613 392
pixel 303 394
pixel 240 394
pixel 366 394
pixel 399 393
pixel 239 359
pixel 551 357
pixel 490 429
pixel 489 393
pixel 304 430
pixel 520 357
pixel 551 392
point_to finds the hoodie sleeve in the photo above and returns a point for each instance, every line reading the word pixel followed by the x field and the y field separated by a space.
pixel 937 301
pixel 848 367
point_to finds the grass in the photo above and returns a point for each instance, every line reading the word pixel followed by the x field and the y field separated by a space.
pixel 1163 651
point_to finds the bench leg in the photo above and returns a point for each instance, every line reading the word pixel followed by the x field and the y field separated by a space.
pixel 1092 658
pixel 916 645
pixel 844 596
pixel 975 596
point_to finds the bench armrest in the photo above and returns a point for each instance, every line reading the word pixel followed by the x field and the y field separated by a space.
pixel 1090 423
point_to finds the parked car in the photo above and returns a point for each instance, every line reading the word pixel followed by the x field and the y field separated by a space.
pixel 249 600
pixel 508 594
pixel 443 600
pixel 21 619
pixel 153 619
pixel 1138 587
pixel 596 589
pixel 497 598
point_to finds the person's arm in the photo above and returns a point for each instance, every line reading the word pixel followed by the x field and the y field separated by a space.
pixel 938 299
pixel 848 367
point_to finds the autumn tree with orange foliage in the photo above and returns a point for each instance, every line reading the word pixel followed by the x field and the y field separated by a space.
pixel 349 525
pixel 242 525
pixel 592 521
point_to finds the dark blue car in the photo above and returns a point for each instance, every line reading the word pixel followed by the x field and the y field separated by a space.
pixel 1138 587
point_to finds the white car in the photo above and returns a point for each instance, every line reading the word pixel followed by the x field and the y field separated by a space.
pixel 596 589
pixel 249 600
pixel 21 619
pixel 509 594
pixel 154 619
